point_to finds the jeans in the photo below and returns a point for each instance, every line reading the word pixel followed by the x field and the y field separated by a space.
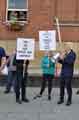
pixel 11 80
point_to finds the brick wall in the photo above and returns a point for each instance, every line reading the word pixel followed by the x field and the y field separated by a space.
pixel 41 17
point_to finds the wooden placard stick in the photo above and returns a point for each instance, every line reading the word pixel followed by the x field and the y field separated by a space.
pixel 58 30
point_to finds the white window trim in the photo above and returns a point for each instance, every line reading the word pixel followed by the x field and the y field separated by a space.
pixel 18 9
pixel 7 21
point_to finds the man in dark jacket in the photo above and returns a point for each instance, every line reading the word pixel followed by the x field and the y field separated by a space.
pixel 67 60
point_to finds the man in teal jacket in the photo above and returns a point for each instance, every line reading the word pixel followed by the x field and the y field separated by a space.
pixel 48 69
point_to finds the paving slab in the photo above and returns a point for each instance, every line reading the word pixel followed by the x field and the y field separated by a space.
pixel 38 109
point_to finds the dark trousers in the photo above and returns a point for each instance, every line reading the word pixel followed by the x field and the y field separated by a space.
pixel 24 83
pixel 20 85
pixel 46 77
pixel 66 82
pixel 11 80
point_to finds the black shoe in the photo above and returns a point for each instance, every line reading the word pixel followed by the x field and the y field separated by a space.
pixel 19 101
pixel 37 96
pixel 60 101
pixel 77 92
pixel 25 100
pixel 49 97
pixel 68 103
pixel 6 91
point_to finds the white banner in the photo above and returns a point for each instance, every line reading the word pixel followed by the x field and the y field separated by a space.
pixel 25 48
pixel 47 40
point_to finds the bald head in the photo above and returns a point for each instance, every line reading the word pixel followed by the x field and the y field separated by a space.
pixel 68 46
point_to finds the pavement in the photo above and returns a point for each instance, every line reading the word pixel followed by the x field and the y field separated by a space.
pixel 38 109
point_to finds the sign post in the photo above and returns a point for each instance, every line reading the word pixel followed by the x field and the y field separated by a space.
pixel 59 44
pixel 58 29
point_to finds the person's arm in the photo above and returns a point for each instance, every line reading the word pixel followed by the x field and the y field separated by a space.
pixel 26 65
pixel 3 63
pixel 61 58
pixel 8 60
pixel 3 58
pixel 70 59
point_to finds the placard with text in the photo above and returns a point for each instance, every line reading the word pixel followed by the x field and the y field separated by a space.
pixel 25 48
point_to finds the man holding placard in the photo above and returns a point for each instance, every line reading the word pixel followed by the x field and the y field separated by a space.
pixel 47 43
pixel 25 52
pixel 48 71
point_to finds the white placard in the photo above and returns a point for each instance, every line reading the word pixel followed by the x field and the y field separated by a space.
pixel 47 40
pixel 25 49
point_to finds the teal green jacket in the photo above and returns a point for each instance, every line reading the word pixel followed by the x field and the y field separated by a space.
pixel 48 67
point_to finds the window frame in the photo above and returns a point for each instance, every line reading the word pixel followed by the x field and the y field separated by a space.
pixel 25 10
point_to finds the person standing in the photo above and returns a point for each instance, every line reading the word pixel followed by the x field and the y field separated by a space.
pixel 11 73
pixel 67 59
pixel 21 81
pixel 48 69
pixel 13 17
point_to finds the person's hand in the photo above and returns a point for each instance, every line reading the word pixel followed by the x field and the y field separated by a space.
pixel 0 70
pixel 62 55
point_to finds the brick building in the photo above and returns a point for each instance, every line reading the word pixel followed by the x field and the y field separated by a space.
pixel 38 15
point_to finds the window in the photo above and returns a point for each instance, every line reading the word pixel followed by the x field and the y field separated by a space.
pixel 17 10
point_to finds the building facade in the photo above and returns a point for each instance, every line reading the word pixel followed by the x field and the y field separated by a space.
pixel 40 16
pixel 36 15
